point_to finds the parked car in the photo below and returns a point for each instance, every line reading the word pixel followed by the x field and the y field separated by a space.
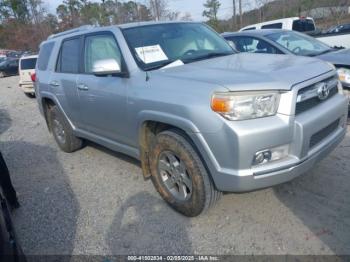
pixel 300 24
pixel 26 72
pixel 10 249
pixel 9 67
pixel 293 43
pixel 345 28
pixel 201 118
pixel 305 25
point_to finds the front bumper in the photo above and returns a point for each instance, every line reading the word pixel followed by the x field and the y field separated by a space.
pixel 229 153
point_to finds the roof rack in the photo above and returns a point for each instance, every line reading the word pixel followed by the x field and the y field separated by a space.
pixel 71 31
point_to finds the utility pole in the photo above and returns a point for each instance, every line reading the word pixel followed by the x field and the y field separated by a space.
pixel 234 18
pixel 240 14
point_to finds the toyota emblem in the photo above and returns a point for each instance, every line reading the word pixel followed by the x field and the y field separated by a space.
pixel 322 91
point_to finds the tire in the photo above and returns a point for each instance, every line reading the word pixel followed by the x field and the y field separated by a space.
pixel 30 95
pixel 62 131
pixel 183 181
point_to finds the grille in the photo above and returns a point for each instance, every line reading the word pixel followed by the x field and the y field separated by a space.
pixel 322 134
pixel 314 101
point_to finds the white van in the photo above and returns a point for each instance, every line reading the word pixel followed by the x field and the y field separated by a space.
pixel 26 69
pixel 300 24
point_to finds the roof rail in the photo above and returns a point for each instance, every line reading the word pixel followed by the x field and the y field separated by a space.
pixel 71 31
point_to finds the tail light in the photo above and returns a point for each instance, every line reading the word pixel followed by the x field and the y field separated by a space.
pixel 33 77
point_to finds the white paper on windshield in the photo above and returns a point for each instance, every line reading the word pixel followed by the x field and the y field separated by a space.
pixel 174 64
pixel 151 54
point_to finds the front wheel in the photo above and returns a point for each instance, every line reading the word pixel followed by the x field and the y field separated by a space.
pixel 180 176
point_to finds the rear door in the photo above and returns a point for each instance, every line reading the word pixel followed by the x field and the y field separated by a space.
pixel 12 68
pixel 102 98
pixel 63 81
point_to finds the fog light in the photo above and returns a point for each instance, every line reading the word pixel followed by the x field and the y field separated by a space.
pixel 262 157
pixel 270 155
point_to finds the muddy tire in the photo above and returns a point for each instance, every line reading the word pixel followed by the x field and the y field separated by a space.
pixel 62 131
pixel 179 175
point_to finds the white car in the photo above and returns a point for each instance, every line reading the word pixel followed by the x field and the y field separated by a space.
pixel 26 71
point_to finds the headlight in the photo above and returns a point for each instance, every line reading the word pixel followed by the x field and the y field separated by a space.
pixel 245 105
pixel 344 75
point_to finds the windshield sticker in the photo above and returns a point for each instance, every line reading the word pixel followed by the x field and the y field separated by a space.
pixel 174 64
pixel 151 54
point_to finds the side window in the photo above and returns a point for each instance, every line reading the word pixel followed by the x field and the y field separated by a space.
pixel 100 47
pixel 68 61
pixel 254 45
pixel 250 28
pixel 272 26
pixel 44 56
pixel 13 63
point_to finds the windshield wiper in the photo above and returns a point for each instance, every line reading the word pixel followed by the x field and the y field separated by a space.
pixel 206 56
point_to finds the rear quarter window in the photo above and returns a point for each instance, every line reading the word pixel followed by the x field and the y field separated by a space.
pixel 27 64
pixel 250 28
pixel 44 56
pixel 272 26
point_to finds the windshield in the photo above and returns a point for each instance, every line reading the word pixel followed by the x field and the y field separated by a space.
pixel 299 44
pixel 304 25
pixel 155 46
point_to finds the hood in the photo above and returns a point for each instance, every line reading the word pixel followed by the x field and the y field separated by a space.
pixel 246 71
pixel 340 57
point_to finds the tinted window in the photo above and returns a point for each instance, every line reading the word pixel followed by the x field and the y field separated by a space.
pixel 28 63
pixel 253 45
pixel 69 56
pixel 13 63
pixel 303 25
pixel 250 28
pixel 100 47
pixel 44 56
pixel 272 26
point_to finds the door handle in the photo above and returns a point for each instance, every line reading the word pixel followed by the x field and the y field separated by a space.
pixel 54 84
pixel 83 87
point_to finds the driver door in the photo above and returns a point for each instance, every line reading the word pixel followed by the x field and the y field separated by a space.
pixel 102 99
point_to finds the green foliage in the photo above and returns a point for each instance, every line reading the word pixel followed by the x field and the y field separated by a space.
pixel 212 7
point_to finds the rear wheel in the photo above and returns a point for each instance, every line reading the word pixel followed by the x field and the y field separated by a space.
pixel 180 176
pixel 63 132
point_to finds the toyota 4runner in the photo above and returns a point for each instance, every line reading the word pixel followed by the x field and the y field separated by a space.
pixel 201 118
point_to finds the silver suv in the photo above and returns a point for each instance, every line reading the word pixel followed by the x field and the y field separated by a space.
pixel 201 118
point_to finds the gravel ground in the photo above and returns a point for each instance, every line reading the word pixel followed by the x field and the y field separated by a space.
pixel 95 201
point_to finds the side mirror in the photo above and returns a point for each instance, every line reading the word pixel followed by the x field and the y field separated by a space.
pixel 106 67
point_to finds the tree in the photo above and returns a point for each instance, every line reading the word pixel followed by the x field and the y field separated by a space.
pixel 240 14
pixel 159 9
pixel 211 12
pixel 234 16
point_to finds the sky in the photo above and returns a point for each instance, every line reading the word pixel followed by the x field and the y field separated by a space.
pixel 194 7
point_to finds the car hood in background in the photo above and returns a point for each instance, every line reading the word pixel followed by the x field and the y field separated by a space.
pixel 251 71
pixel 340 57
